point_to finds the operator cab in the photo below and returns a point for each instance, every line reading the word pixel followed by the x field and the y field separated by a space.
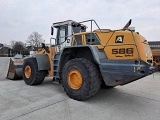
pixel 65 31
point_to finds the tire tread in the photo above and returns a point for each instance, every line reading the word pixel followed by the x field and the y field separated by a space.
pixel 38 76
pixel 93 77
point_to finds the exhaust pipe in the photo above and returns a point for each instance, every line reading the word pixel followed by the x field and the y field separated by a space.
pixel 128 24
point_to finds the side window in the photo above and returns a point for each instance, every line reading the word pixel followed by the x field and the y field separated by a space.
pixel 62 35
pixel 77 40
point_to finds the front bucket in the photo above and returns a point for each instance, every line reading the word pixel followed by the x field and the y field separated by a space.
pixel 15 69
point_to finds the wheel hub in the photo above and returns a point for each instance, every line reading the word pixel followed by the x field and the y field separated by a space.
pixel 74 79
pixel 27 71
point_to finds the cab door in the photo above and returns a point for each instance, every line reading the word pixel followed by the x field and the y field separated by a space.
pixel 63 37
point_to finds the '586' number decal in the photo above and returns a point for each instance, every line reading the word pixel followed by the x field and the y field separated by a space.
pixel 122 51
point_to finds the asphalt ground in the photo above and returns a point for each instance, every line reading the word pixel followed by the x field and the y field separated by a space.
pixel 139 100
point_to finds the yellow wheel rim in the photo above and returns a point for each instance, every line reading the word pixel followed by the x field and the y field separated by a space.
pixel 74 79
pixel 27 71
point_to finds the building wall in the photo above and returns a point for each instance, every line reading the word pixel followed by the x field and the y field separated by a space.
pixel 4 51
pixel 154 44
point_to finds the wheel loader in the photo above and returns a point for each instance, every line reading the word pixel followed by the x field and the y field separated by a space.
pixel 86 60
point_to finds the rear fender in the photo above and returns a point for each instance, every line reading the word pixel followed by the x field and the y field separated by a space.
pixel 69 53
pixel 93 50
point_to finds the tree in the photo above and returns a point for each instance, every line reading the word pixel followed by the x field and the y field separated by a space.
pixel 18 45
pixel 35 40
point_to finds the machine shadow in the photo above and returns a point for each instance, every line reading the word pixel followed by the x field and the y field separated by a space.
pixel 114 96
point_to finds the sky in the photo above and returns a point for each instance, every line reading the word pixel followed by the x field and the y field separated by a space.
pixel 19 18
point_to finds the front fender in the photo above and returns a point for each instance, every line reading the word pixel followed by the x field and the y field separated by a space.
pixel 43 61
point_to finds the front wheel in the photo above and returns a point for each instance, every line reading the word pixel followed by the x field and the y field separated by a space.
pixel 80 79
pixel 31 74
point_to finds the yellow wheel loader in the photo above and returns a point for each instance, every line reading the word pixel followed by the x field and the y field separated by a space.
pixel 83 61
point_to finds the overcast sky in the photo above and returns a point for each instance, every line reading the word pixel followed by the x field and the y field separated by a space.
pixel 19 18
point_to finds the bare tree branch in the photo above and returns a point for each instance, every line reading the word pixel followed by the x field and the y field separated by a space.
pixel 35 39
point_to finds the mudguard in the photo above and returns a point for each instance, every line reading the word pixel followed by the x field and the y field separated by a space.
pixel 43 61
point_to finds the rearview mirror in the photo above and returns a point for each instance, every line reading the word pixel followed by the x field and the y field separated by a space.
pixel 52 43
pixel 52 30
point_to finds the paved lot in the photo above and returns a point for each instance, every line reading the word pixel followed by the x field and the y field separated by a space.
pixel 139 100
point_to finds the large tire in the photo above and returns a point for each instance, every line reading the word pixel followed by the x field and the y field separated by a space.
pixel 80 79
pixel 31 74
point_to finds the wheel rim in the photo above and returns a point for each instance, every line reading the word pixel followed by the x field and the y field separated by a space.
pixel 27 71
pixel 74 79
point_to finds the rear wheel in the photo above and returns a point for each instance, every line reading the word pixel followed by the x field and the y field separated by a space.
pixel 31 74
pixel 80 79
